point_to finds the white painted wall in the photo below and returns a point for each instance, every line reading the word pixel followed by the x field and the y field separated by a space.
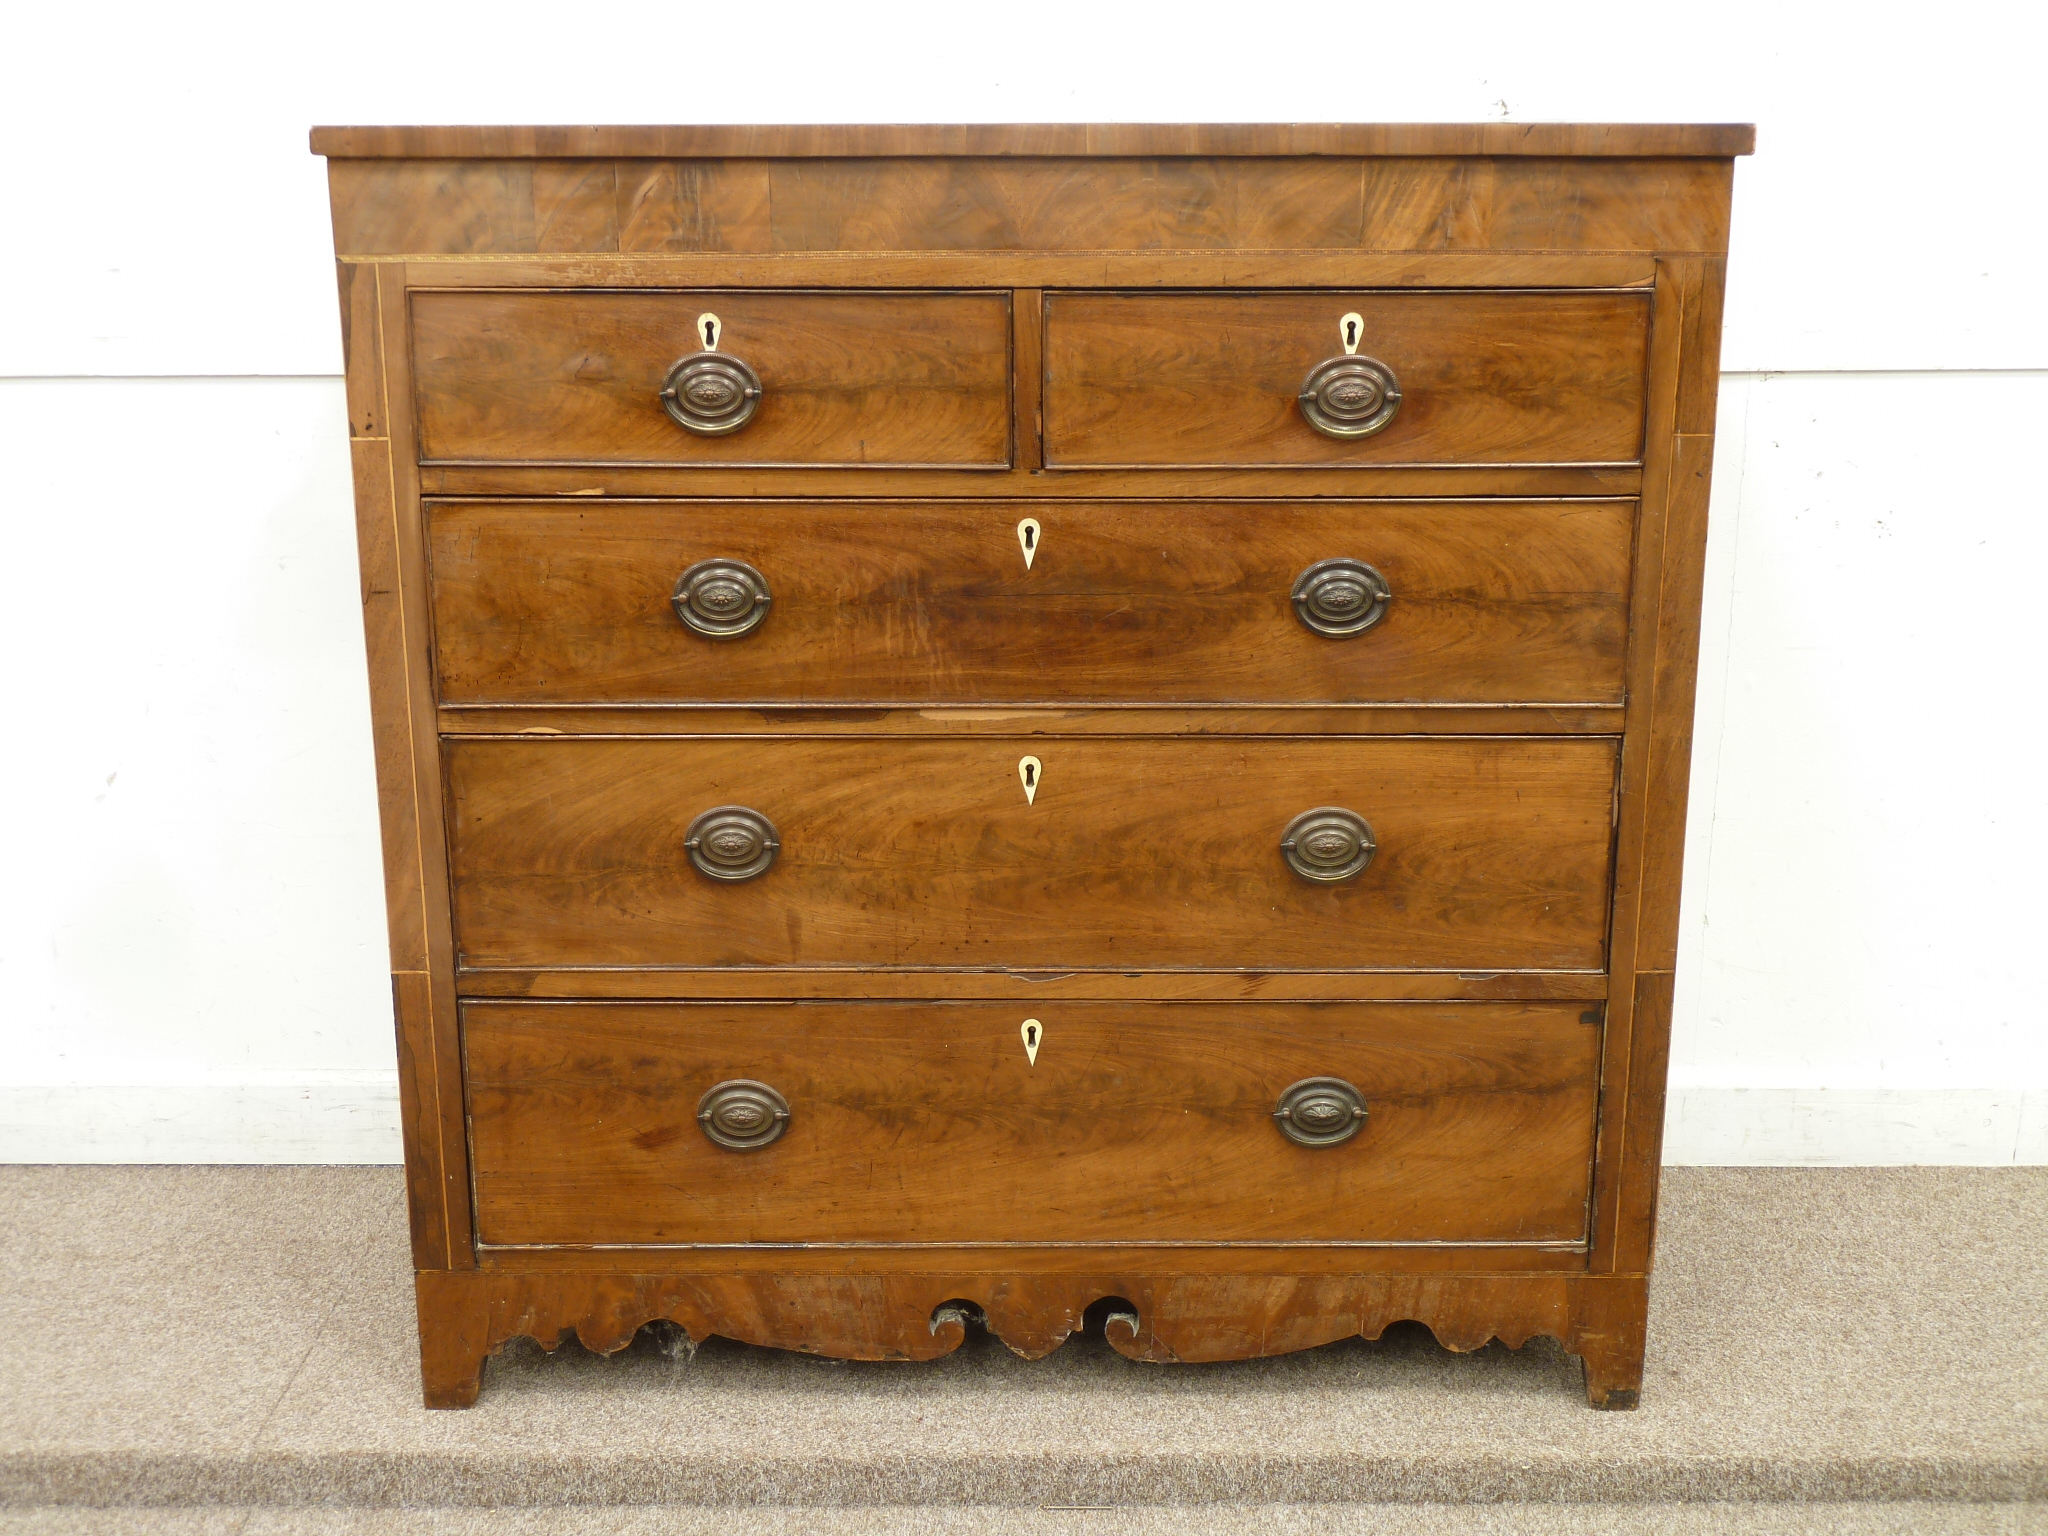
pixel 191 940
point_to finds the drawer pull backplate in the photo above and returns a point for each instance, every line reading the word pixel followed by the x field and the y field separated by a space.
pixel 1320 1112
pixel 1328 844
pixel 721 599
pixel 732 843
pixel 743 1114
pixel 1340 598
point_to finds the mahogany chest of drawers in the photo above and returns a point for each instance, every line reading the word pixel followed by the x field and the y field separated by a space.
pixel 974 722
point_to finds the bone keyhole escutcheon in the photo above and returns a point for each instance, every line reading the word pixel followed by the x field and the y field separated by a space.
pixel 1033 1032
pixel 709 327
pixel 1029 772
pixel 1352 328
pixel 1027 539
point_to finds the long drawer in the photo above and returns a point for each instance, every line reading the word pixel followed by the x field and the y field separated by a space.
pixel 854 380
pixel 1126 854
pixel 866 1123
pixel 933 602
pixel 1216 379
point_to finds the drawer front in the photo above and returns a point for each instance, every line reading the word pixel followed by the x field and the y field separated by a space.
pixel 1213 379
pixel 1135 853
pixel 927 1123
pixel 922 602
pixel 855 380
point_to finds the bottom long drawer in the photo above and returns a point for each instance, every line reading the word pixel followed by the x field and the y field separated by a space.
pixel 719 1123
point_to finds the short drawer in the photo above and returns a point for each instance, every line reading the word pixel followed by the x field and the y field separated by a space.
pixel 935 602
pixel 1128 854
pixel 848 380
pixel 922 1123
pixel 1215 379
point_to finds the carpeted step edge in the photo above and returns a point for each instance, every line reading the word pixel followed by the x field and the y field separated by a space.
pixel 391 1479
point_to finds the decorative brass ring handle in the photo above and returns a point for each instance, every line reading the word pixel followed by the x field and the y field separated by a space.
pixel 743 1114
pixel 730 842
pixel 722 599
pixel 1320 1112
pixel 1350 396
pixel 1328 844
pixel 711 393
pixel 1340 598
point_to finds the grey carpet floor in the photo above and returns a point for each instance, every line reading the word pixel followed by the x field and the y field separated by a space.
pixel 236 1348
pixel 1888 1519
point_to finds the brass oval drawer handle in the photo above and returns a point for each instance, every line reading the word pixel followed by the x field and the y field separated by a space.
pixel 711 392
pixel 732 843
pixel 721 599
pixel 1350 396
pixel 1320 1112
pixel 1328 844
pixel 1340 598
pixel 743 1114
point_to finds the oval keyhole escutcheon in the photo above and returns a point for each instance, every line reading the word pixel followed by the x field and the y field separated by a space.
pixel 1033 1032
pixel 1029 772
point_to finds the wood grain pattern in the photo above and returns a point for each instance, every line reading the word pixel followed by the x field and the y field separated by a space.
pixel 1649 839
pixel 444 206
pixel 1671 660
pixel 1642 1151
pixel 927 1124
pixel 1406 204
pixel 1545 205
pixel 1035 269
pixel 1137 853
pixel 1651 829
pixel 1170 1317
pixel 1019 1260
pixel 1027 432
pixel 1212 379
pixel 361 349
pixel 835 140
pixel 1033 987
pixel 1683 582
pixel 900 204
pixel 739 483
pixel 1698 393
pixel 931 602
pixel 693 205
pixel 409 779
pixel 1667 336
pixel 1129 719
pixel 419 1109
pixel 436 1165
pixel 384 639
pixel 848 379
pixel 575 205
pixel 441 207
